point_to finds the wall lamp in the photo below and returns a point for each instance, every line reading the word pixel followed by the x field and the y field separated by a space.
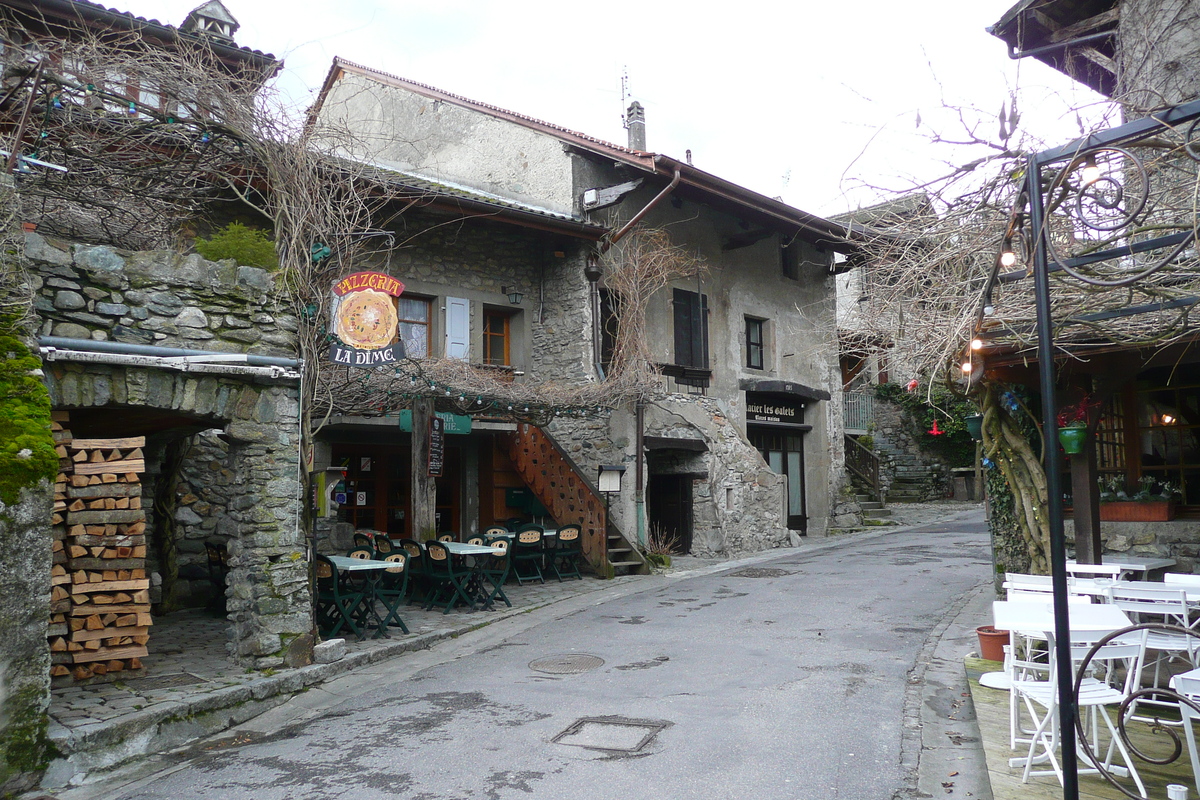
pixel 514 295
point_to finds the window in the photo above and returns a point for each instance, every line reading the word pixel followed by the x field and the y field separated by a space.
pixel 414 326
pixel 754 342
pixel 496 338
pixel 691 329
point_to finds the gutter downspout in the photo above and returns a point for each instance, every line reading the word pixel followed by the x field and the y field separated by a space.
pixel 620 234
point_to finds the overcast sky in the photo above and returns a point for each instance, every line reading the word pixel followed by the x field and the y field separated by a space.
pixel 791 99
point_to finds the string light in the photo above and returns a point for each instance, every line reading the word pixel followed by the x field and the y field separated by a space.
pixel 1091 172
pixel 977 344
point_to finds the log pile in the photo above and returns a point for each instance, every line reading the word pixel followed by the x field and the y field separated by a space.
pixel 100 592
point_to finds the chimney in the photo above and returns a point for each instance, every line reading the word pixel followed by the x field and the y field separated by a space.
pixel 635 123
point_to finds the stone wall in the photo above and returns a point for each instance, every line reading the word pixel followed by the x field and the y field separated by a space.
pixel 158 297
pixel 1178 539
pixel 906 472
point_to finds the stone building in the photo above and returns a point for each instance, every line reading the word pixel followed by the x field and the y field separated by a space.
pixel 740 450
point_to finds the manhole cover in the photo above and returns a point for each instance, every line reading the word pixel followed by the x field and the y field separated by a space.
pixel 168 681
pixel 611 734
pixel 759 572
pixel 567 663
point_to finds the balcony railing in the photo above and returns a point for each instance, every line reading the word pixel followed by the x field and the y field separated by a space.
pixel 858 411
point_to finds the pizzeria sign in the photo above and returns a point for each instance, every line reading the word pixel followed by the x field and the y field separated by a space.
pixel 365 321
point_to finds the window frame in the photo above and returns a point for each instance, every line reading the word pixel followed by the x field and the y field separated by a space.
pixel 505 335
pixel 759 324
pixel 690 319
pixel 427 322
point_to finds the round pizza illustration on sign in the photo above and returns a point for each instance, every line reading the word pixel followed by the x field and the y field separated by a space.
pixel 365 321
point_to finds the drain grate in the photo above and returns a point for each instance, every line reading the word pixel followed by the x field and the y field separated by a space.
pixel 566 663
pixel 611 734
pixel 759 572
pixel 168 681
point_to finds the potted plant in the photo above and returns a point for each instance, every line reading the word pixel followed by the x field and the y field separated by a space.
pixel 1072 425
pixel 1151 502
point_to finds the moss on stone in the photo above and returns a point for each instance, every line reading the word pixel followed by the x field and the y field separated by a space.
pixel 25 749
pixel 26 446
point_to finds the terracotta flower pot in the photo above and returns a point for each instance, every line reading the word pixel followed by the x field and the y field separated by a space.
pixel 991 643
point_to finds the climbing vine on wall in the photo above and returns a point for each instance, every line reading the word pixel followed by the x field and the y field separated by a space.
pixel 926 405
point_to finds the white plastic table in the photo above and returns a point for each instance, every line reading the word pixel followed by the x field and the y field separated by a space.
pixel 1141 564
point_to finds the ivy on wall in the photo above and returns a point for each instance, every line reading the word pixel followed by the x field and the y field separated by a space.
pixel 923 406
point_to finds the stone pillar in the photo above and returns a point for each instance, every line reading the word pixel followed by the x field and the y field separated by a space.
pixel 270 605
pixel 24 616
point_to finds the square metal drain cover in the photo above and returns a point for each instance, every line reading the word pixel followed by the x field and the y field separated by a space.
pixel 168 681
pixel 611 734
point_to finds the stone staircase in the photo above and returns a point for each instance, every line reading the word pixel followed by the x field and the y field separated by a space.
pixel 871 508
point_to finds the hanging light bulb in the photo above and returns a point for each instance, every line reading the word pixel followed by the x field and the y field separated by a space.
pixel 1008 258
pixel 1091 172
pixel 977 344
pixel 967 366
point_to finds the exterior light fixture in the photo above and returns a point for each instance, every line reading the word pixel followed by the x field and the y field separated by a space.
pixel 609 480
pixel 977 344
pixel 1008 257
pixel 967 367
pixel 1167 419
pixel 1091 172
pixel 989 310
pixel 514 296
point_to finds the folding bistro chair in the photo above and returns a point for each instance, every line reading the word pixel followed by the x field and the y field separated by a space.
pixel 497 569
pixel 1164 604
pixel 1118 663
pixel 339 602
pixel 417 569
pixel 526 553
pixel 448 583
pixel 392 588
pixel 563 555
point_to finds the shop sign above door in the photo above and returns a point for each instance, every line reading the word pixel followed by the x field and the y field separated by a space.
pixel 455 423
pixel 767 409
pixel 363 317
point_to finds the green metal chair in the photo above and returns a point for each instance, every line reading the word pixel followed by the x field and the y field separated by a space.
pixel 565 553
pixel 448 582
pixel 526 553
pixel 392 588
pixel 417 569
pixel 339 602
pixel 497 569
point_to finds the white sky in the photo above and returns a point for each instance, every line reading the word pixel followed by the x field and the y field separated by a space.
pixel 780 97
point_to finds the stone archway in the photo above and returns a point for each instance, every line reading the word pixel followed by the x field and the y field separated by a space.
pixel 268 600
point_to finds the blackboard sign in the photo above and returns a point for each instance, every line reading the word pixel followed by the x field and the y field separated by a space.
pixel 437 446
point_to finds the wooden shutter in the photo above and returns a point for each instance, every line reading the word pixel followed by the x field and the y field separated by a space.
pixel 691 329
pixel 458 327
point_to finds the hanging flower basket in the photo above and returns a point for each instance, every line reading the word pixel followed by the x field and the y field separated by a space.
pixel 1072 439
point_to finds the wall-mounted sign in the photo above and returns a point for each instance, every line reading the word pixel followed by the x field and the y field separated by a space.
pixel 454 423
pixel 365 321
pixel 437 446
pixel 773 410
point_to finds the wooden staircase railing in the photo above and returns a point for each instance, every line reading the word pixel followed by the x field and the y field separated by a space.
pixel 567 495
pixel 865 464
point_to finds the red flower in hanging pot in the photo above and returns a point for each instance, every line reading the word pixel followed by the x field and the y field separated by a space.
pixel 934 430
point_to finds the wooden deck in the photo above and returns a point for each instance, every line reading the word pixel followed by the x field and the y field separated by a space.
pixel 991 709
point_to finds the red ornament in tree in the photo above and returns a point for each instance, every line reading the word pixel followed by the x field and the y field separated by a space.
pixel 934 430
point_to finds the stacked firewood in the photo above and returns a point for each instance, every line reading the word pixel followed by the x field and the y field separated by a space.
pixel 100 594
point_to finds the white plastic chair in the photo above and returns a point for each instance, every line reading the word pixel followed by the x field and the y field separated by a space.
pixel 1188 685
pixel 1181 578
pixel 1096 570
pixel 1040 699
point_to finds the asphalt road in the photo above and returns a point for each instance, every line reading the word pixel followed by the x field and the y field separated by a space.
pixel 793 677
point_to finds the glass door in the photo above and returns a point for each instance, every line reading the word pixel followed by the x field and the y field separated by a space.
pixel 785 456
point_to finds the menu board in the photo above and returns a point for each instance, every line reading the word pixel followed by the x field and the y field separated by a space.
pixel 437 445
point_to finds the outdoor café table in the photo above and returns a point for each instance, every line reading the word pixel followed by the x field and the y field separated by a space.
pixel 373 569
pixel 1141 564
